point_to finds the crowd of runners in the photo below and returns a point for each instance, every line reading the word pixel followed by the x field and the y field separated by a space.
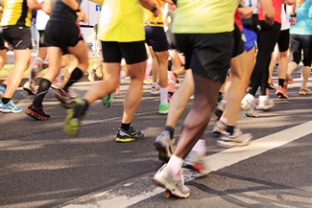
pixel 223 48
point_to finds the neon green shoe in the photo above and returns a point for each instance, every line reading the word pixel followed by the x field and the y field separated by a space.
pixel 107 100
pixel 72 120
pixel 163 108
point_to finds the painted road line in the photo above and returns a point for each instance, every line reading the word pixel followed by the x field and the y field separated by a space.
pixel 118 198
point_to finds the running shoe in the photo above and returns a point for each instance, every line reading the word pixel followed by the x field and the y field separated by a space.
pixel 107 100
pixel 290 80
pixel 265 103
pixel 218 111
pixel 2 91
pixel 57 83
pixel 9 107
pixel 247 101
pixel 63 97
pixel 37 113
pixel 155 89
pixel 29 87
pixel 172 81
pixel 197 162
pixel 281 92
pixel 73 118
pixel 129 136
pixel 236 139
pixel 252 112
pixel 163 108
pixel 71 94
pixel 218 129
pixel 164 144
pixel 172 183
pixel 305 91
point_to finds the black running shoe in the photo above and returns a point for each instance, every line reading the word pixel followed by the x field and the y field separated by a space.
pixel 37 113
pixel 129 136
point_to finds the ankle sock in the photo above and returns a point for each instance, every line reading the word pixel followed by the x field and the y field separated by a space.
pixel 171 131
pixel 281 82
pixel 124 126
pixel 230 129
pixel 175 164
pixel 6 100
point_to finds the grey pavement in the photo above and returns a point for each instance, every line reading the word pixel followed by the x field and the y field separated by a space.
pixel 42 167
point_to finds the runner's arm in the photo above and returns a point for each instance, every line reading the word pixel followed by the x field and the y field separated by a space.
pixel 34 5
pixel 150 5
pixel 268 10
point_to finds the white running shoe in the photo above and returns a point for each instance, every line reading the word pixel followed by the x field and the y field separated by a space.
pixel 265 103
pixel 155 89
pixel 218 128
pixel 197 162
pixel 29 87
pixel 172 183
pixel 164 144
pixel 236 139
pixel 247 101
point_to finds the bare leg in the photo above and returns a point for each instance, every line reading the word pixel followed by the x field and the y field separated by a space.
pixel 206 92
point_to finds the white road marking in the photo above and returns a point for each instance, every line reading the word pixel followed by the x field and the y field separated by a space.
pixel 114 198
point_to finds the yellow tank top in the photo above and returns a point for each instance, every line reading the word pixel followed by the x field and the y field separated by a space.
pixel 16 12
pixel 150 20
pixel 121 21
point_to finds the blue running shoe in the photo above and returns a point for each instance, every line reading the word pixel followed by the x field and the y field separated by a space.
pixel 2 91
pixel 9 108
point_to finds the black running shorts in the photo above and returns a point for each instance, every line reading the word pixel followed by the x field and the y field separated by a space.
pixel 133 52
pixel 61 34
pixel 239 44
pixel 156 37
pixel 283 40
pixel 41 39
pixel 208 55
pixel 19 37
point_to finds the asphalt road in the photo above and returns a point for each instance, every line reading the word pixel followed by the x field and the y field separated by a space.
pixel 40 166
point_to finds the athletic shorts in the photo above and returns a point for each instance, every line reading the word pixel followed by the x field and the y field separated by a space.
pixel 156 37
pixel 300 43
pixel 61 34
pixel 250 38
pixel 208 55
pixel 19 37
pixel 133 52
pixel 239 44
pixel 2 45
pixel 41 38
pixel 283 40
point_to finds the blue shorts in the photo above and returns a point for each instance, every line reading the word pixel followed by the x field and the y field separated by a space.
pixel 251 38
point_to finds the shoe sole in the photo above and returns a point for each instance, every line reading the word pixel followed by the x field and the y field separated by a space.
pixel 129 139
pixel 35 115
pixel 29 91
pixel 163 112
pixel 168 191
pixel 163 154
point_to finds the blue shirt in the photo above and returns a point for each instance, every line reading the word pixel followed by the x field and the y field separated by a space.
pixel 303 25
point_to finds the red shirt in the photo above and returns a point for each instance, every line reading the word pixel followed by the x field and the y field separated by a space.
pixel 277 4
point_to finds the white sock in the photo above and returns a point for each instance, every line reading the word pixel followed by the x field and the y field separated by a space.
pixel 164 96
pixel 200 147
pixel 175 164
pixel 123 74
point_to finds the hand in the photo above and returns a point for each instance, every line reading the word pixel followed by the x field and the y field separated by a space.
pixel 82 16
pixel 156 12
pixel 293 20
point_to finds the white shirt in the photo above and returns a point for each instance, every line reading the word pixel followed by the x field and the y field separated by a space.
pixel 254 4
pixel 285 17
pixel 41 19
